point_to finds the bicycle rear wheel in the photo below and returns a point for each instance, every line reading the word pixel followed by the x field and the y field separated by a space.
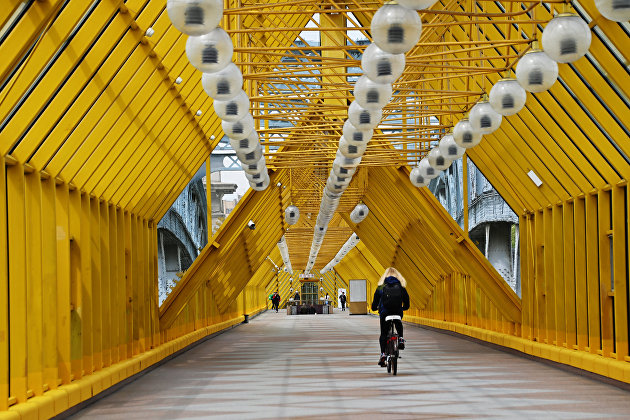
pixel 389 364
pixel 394 364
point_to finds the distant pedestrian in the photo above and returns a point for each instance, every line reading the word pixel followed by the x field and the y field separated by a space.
pixel 275 300
pixel 326 299
pixel 297 297
pixel 342 299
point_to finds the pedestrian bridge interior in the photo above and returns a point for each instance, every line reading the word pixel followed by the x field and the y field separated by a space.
pixel 103 123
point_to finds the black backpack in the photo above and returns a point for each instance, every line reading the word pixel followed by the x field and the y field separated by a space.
pixel 392 298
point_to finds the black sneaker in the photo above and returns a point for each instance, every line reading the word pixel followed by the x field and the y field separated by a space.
pixel 401 344
pixel 381 361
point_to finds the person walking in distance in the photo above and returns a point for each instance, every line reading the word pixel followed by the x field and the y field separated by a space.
pixel 275 300
pixel 390 298
pixel 342 300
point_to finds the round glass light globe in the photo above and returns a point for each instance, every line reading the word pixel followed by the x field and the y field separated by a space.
pixel 233 109
pixel 210 52
pixel 536 72
pixel 246 144
pixel 363 119
pixel 483 118
pixel 355 136
pixel 359 213
pixel 260 186
pixel 254 167
pixel 615 10
pixel 507 97
pixel 566 38
pixel 256 177
pixel 237 130
pixel 370 95
pixel 450 149
pixel 223 84
pixel 428 171
pixel 252 156
pixel 341 170
pixel 464 135
pixel 438 160
pixel 381 66
pixel 292 214
pixel 195 17
pixel 351 150
pixel 346 161
pixel 396 29
pixel 417 178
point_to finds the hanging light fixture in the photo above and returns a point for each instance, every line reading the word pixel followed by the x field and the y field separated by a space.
pixel 195 17
pixel 507 97
pixel 233 109
pixel 437 160
pixel 536 72
pixel 416 4
pixel 362 118
pixel 223 84
pixel 372 95
pixel 247 144
pixel 567 37
pixel 464 135
pixel 356 136
pixel 359 213
pixel 450 149
pixel 254 167
pixel 342 170
pixel 351 150
pixel 396 29
pixel 615 10
pixel 381 66
pixel 483 118
pixel 252 156
pixel 210 52
pixel 260 186
pixel 426 170
pixel 417 178
pixel 238 130
pixel 292 214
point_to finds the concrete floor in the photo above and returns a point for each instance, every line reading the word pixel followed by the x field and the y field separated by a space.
pixel 324 366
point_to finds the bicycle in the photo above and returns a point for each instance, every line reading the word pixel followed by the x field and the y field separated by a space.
pixel 392 345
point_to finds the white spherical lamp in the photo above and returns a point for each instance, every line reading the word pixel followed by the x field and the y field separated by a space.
pixel 483 118
pixel 566 38
pixel 247 144
pixel 254 167
pixel 381 66
pixel 417 178
pixel 233 109
pixel 359 213
pixel 195 17
pixel 343 170
pixel 464 135
pixel 210 52
pixel 260 185
pixel 396 29
pixel 223 84
pixel 426 170
pixel 237 130
pixel 438 160
pixel 292 214
pixel 417 4
pixel 370 95
pixel 536 72
pixel 450 149
pixel 363 119
pixel 615 10
pixel 355 136
pixel 251 156
pixel 351 150
pixel 507 97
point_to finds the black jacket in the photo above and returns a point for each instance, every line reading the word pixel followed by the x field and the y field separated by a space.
pixel 376 302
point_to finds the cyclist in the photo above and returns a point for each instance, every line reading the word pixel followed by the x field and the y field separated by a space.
pixel 390 298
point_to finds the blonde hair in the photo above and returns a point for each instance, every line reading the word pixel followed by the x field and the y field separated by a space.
pixel 392 272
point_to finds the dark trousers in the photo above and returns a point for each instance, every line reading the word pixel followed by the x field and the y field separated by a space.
pixel 343 306
pixel 385 330
pixel 274 306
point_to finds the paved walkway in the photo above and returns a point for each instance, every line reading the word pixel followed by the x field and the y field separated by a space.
pixel 324 366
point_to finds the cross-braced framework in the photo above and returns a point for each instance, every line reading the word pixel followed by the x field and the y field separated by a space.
pixel 301 86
